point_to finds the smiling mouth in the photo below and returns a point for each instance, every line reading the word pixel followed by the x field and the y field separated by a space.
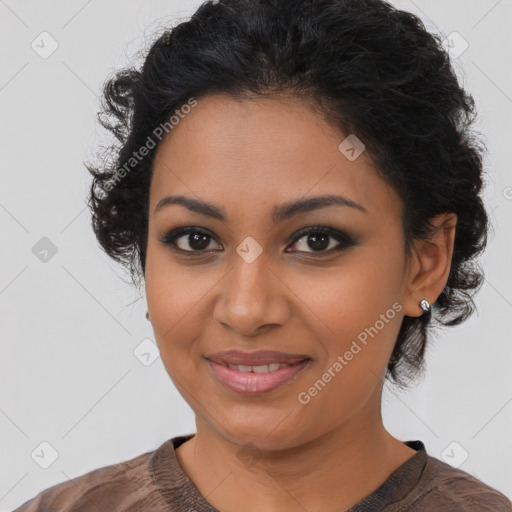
pixel 256 379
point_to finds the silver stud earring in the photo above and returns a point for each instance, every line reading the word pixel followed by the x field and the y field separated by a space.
pixel 147 315
pixel 425 305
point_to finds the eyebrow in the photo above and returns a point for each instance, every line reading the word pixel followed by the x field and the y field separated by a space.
pixel 280 212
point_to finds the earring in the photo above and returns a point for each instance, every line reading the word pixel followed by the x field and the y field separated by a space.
pixel 147 315
pixel 425 305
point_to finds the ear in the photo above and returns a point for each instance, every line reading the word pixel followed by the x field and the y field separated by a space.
pixel 429 264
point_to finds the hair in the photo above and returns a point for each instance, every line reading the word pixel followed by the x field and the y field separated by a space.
pixel 373 70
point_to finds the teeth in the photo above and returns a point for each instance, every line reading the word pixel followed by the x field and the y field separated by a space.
pixel 261 368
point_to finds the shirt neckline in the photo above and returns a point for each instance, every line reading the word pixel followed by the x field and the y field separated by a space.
pixel 178 489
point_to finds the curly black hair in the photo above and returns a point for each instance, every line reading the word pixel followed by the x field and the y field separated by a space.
pixel 374 71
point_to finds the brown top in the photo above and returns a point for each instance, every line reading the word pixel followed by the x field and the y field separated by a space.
pixel 156 482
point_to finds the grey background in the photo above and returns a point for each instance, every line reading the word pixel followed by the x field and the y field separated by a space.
pixel 69 326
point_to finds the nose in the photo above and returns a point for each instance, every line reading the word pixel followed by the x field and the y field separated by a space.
pixel 252 297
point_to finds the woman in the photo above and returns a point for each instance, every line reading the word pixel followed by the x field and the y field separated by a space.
pixel 297 186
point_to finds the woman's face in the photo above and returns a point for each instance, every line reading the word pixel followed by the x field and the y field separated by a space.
pixel 247 282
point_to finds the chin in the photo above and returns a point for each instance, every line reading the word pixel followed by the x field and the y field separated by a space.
pixel 262 433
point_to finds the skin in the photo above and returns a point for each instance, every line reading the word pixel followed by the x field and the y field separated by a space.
pixel 271 452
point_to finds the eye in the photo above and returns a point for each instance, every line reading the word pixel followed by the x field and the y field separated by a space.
pixel 320 239
pixel 197 239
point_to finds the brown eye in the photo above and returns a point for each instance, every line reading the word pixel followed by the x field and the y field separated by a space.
pixel 319 239
pixel 188 239
pixel 322 240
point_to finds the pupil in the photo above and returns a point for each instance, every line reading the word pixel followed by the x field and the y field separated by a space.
pixel 198 241
pixel 319 245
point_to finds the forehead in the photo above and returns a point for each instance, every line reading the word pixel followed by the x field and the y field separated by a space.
pixel 269 150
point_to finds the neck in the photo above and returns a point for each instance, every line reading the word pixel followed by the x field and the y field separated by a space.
pixel 342 466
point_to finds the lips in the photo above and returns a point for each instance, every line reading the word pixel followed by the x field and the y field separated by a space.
pixel 255 373
pixel 258 358
pixel 254 383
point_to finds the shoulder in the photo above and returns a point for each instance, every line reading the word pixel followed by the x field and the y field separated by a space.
pixel 445 488
pixel 127 482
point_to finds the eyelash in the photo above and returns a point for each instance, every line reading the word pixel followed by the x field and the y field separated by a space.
pixel 343 239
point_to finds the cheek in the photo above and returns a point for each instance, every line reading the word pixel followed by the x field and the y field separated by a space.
pixel 177 299
pixel 357 317
pixel 351 297
pixel 174 314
